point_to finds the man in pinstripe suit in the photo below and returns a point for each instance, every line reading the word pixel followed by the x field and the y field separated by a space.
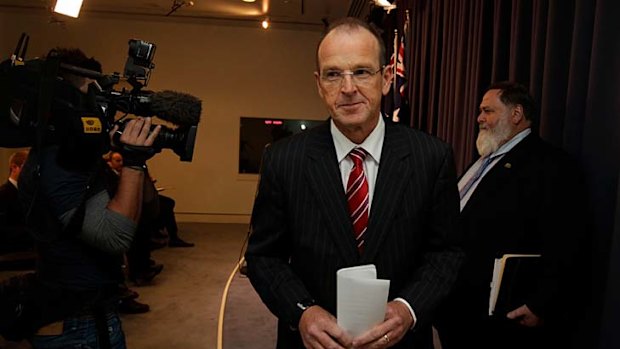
pixel 302 230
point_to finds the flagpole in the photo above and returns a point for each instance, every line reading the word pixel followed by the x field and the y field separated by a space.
pixel 394 66
pixel 407 36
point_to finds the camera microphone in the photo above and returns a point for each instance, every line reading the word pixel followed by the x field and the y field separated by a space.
pixel 175 107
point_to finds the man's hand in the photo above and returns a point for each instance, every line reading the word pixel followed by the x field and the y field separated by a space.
pixel 137 132
pixel 398 321
pixel 524 316
pixel 319 330
pixel 128 198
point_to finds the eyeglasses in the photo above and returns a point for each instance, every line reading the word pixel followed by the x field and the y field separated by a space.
pixel 358 76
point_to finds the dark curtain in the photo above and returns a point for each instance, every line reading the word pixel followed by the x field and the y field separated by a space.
pixel 457 48
pixel 568 53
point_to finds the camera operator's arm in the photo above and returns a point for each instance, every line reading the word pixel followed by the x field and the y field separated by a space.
pixel 109 222
pixel 128 199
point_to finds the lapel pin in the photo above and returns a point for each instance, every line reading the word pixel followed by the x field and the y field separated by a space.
pixel 508 165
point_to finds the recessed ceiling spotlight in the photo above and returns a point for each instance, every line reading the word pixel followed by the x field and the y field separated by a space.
pixel 265 23
pixel 249 0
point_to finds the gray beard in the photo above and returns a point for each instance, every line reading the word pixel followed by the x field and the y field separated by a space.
pixel 490 139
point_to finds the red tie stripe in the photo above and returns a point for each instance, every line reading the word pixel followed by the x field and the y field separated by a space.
pixel 357 196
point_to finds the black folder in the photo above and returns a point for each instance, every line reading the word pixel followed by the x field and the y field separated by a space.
pixel 514 275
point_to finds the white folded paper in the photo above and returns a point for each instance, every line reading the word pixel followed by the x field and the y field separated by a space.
pixel 361 298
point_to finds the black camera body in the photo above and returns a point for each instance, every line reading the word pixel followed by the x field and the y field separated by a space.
pixel 38 105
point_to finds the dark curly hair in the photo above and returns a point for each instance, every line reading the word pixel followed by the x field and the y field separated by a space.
pixel 512 94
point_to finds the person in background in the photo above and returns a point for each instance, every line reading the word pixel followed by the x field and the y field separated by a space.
pixel 522 196
pixel 14 236
pixel 115 161
pixel 127 298
pixel 166 219
pixel 355 190
pixel 142 269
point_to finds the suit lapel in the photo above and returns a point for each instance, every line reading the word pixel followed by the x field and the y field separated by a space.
pixel 393 172
pixel 505 168
pixel 324 177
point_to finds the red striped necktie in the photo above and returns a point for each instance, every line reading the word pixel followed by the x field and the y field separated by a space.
pixel 357 196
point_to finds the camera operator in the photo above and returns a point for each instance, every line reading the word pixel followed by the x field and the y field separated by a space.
pixel 67 185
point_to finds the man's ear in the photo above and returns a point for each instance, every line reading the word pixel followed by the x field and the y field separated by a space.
pixel 517 114
pixel 388 75
pixel 317 78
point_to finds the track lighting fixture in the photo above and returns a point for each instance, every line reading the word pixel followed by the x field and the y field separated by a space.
pixel 177 4
pixel 385 4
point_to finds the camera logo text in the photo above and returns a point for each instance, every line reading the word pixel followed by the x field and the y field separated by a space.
pixel 91 124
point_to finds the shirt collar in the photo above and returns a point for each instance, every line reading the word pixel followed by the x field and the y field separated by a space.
pixel 14 182
pixel 511 143
pixel 373 144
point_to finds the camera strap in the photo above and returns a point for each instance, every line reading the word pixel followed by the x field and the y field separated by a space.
pixel 46 88
pixel 38 216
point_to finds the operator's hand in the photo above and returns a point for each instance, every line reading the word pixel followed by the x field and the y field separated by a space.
pixel 398 321
pixel 137 132
pixel 319 330
pixel 524 316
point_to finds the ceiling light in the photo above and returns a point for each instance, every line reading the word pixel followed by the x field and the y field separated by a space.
pixel 249 0
pixel 265 24
pixel 69 8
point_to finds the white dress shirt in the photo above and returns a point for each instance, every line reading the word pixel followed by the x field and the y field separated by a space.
pixel 495 157
pixel 373 144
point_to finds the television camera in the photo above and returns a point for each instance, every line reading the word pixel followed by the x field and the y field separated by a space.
pixel 40 104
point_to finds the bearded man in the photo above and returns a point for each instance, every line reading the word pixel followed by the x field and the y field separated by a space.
pixel 522 196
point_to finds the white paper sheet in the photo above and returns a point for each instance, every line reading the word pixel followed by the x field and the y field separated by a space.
pixel 496 279
pixel 361 298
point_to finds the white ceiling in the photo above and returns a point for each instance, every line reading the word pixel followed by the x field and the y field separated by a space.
pixel 302 12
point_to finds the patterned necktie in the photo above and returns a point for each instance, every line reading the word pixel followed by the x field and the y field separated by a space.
pixel 475 177
pixel 357 196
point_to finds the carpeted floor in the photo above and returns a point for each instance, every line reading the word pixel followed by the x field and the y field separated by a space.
pixel 185 299
pixel 247 322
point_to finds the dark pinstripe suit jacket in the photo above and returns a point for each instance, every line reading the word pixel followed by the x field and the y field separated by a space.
pixel 302 233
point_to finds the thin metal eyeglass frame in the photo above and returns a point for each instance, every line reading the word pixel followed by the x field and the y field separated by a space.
pixel 344 73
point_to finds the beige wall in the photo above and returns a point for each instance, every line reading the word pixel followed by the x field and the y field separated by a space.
pixel 237 69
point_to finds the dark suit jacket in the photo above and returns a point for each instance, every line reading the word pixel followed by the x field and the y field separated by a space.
pixel 13 234
pixel 530 202
pixel 302 233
